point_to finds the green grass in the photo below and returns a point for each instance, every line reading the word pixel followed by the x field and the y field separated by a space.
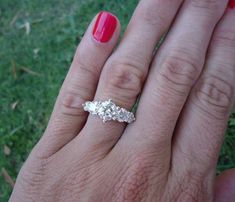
pixel 56 28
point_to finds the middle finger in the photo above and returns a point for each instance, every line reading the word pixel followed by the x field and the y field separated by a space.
pixel 175 69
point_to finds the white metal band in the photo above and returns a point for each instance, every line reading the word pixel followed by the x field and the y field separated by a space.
pixel 108 110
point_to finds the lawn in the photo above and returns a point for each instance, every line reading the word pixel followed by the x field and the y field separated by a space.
pixel 37 42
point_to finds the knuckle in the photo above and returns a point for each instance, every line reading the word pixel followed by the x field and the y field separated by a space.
pixel 72 104
pixel 208 4
pixel 124 80
pixel 178 74
pixel 140 179
pixel 133 184
pixel 224 38
pixel 85 66
pixel 156 13
pixel 215 96
pixel 153 17
pixel 79 88
pixel 74 96
pixel 189 187
pixel 77 180
pixel 31 176
pixel 87 69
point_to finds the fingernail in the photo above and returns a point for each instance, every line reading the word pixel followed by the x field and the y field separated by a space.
pixel 231 4
pixel 104 27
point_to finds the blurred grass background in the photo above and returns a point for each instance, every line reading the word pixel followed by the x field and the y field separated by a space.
pixel 37 42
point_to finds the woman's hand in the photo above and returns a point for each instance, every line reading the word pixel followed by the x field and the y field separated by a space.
pixel 187 92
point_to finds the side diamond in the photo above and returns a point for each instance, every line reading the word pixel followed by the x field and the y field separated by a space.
pixel 107 111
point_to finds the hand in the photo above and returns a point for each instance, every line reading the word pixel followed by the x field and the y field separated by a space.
pixel 170 152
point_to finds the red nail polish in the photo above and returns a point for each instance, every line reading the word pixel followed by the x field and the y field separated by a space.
pixel 104 27
pixel 231 4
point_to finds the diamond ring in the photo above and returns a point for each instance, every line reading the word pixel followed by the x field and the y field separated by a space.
pixel 108 110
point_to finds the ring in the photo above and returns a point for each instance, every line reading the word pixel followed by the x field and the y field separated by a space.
pixel 108 111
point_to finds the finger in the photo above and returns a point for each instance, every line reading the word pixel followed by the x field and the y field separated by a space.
pixel 124 73
pixel 80 84
pixel 174 71
pixel 204 119
pixel 225 186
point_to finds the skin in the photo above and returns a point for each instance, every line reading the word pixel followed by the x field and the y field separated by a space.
pixel 187 93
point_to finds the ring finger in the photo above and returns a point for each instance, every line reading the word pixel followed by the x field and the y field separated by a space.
pixel 124 73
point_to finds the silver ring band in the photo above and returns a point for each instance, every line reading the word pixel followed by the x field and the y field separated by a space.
pixel 108 110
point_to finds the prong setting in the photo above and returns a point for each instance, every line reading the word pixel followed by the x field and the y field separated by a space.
pixel 108 111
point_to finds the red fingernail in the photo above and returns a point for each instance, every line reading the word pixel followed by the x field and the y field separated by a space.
pixel 104 27
pixel 231 4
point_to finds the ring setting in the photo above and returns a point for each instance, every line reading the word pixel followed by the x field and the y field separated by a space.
pixel 108 111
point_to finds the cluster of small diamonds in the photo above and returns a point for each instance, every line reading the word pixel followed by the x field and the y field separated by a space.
pixel 108 111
